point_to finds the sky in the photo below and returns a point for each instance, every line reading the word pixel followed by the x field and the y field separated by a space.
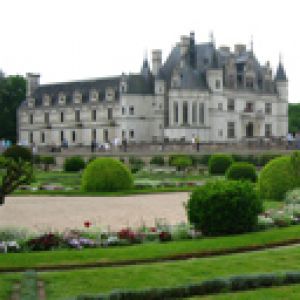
pixel 69 40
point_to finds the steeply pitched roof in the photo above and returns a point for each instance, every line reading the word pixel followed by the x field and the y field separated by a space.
pixel 280 73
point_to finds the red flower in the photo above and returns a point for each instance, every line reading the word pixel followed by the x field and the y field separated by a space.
pixel 152 229
pixel 87 224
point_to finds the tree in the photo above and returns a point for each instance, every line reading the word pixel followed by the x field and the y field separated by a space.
pixel 12 93
pixel 14 173
pixel 294 117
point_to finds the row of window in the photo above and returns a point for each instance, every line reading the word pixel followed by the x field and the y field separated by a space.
pixel 249 130
pixel 77 116
pixel 197 113
pixel 74 136
pixel 130 110
pixel 249 106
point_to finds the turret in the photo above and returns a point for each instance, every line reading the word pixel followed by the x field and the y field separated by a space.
pixel 281 82
pixel 32 83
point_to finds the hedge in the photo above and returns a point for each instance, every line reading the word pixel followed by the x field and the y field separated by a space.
pixel 219 163
pixel 241 171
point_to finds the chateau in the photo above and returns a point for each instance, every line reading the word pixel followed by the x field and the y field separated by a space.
pixel 215 95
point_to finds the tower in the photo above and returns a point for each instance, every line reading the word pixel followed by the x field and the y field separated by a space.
pixel 214 74
pixel 281 82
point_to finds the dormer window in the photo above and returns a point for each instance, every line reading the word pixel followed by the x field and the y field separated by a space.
pixel 61 99
pixel 109 94
pixel 94 95
pixel 249 83
pixel 31 102
pixel 77 97
pixel 46 100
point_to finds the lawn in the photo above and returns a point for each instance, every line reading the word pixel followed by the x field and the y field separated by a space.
pixel 6 283
pixel 147 250
pixel 174 273
pixel 274 293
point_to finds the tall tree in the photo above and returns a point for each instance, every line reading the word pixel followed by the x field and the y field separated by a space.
pixel 294 117
pixel 12 93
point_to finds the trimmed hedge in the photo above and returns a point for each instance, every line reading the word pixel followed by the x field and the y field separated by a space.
pixel 17 152
pixel 219 163
pixel 181 162
pixel 106 175
pixel 278 177
pixel 258 160
pixel 207 287
pixel 157 160
pixel 224 207
pixel 74 164
pixel 136 164
pixel 241 171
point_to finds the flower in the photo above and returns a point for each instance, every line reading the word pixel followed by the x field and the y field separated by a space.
pixel 152 229
pixel 87 224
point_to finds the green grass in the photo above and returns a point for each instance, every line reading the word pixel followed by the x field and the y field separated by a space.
pixel 6 283
pixel 168 274
pixel 145 251
pixel 291 292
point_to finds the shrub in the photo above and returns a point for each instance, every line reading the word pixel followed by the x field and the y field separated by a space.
pixel 181 162
pixel 45 242
pixel 74 164
pixel 17 152
pixel 204 159
pixel 136 164
pixel 219 163
pixel 106 174
pixel 47 161
pixel 157 160
pixel 241 171
pixel 224 207
pixel 278 177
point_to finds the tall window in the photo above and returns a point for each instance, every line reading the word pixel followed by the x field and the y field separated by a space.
pixel 77 115
pixel 61 136
pixel 62 117
pixel 109 113
pixel 249 83
pixel 230 130
pixel 185 112
pixel 46 117
pixel 31 137
pixel 249 107
pixel 94 115
pixel 105 135
pixel 218 84
pixel 131 110
pixel 73 136
pixel 31 119
pixel 131 134
pixel 268 130
pixel 194 113
pixel 123 110
pixel 268 108
pixel 201 113
pixel 175 108
pixel 94 134
pixel 42 137
pixel 231 81
pixel 230 104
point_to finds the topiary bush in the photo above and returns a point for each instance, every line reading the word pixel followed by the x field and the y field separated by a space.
pixel 219 163
pixel 74 164
pixel 17 152
pixel 47 161
pixel 241 171
pixel 136 164
pixel 181 162
pixel 224 207
pixel 106 174
pixel 279 176
pixel 157 160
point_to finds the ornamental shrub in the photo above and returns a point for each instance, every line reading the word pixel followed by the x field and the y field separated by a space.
pixel 224 207
pixel 47 161
pixel 17 152
pixel 219 163
pixel 181 162
pixel 74 164
pixel 277 177
pixel 106 175
pixel 241 171
pixel 136 164
pixel 157 160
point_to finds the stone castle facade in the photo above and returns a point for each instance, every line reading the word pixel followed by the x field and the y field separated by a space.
pixel 215 95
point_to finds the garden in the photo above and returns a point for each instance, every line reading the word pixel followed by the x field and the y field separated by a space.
pixel 240 214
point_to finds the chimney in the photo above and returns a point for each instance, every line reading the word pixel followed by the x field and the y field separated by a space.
pixel 239 49
pixel 184 47
pixel 32 83
pixel 156 61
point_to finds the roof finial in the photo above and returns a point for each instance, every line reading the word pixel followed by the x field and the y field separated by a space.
pixel 145 54
pixel 212 38
pixel 251 43
pixel 280 58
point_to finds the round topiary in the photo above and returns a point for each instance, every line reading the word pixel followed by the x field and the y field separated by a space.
pixel 241 171
pixel 17 152
pixel 181 162
pixel 157 160
pixel 224 207
pixel 277 177
pixel 74 164
pixel 106 175
pixel 219 163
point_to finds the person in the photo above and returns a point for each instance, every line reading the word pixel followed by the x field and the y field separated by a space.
pixel 197 141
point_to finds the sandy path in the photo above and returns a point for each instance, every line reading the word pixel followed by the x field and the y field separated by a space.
pixel 58 213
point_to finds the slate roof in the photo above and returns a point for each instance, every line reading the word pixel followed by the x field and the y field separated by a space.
pixel 280 74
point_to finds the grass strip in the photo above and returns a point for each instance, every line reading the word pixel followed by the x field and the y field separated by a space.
pixel 150 251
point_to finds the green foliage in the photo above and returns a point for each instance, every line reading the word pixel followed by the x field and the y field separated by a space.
pixel 278 177
pixel 136 164
pixel 219 163
pixel 15 173
pixel 241 171
pixel 224 207
pixel 17 152
pixel 74 164
pixel 106 174
pixel 157 160
pixel 47 161
pixel 12 93
pixel 181 162
pixel 292 197
pixel 294 117
pixel 258 160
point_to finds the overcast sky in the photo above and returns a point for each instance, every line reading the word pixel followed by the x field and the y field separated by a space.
pixel 67 40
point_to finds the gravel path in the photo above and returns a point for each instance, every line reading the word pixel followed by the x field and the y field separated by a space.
pixel 58 213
